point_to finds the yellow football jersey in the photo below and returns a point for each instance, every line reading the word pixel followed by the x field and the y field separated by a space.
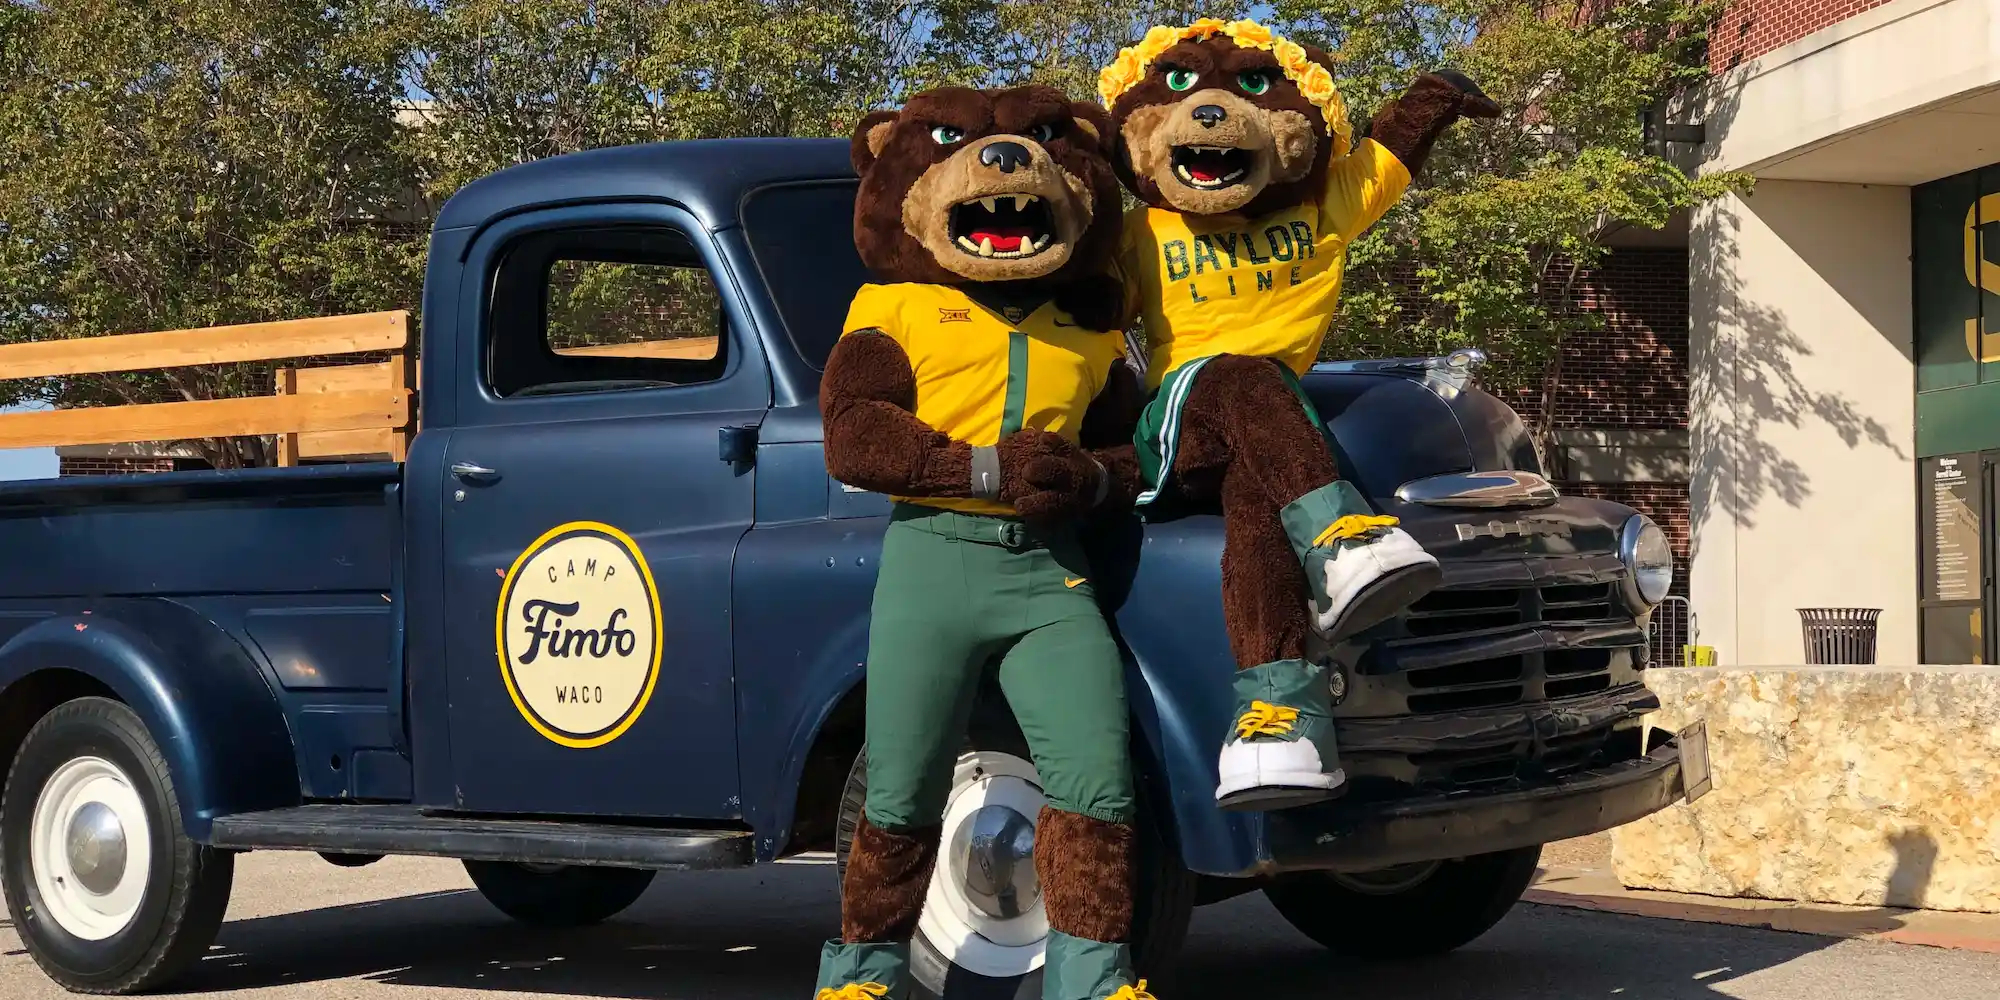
pixel 982 375
pixel 1209 285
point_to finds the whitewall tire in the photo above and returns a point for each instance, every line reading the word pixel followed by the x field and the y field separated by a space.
pixel 104 887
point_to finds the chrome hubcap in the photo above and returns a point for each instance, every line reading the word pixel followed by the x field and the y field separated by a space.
pixel 998 845
pixel 97 847
pixel 984 909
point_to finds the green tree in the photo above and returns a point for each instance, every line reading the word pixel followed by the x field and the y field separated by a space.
pixel 182 163
pixel 1488 248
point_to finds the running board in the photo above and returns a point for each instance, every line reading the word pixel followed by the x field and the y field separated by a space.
pixel 410 830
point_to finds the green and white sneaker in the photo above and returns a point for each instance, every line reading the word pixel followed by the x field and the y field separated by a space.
pixel 1363 569
pixel 863 971
pixel 1282 751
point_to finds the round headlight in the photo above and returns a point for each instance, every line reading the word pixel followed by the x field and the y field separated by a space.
pixel 1648 560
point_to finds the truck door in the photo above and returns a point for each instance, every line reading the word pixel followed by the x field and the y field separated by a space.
pixel 591 517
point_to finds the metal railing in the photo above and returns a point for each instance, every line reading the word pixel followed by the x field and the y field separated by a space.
pixel 1671 631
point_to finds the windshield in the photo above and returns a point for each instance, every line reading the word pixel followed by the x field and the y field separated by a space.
pixel 802 236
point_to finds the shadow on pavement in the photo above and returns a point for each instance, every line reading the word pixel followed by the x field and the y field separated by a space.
pixel 755 934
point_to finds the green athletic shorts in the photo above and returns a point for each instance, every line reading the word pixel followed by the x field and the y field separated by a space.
pixel 1159 429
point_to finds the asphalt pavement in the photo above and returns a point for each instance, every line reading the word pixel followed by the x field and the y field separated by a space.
pixel 409 929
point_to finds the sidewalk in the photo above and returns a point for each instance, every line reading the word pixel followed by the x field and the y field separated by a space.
pixel 1577 874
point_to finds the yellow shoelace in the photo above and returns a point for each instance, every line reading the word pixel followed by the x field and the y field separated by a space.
pixel 854 991
pixel 1353 526
pixel 1265 719
pixel 1132 993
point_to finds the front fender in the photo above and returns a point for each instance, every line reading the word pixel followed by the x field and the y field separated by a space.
pixel 202 699
pixel 1171 623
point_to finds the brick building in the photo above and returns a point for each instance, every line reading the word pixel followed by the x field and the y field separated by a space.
pixel 1844 317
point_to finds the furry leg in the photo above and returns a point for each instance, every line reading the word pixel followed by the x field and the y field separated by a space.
pixel 888 875
pixel 1085 867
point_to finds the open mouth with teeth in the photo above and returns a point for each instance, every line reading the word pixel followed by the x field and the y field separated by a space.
pixel 1209 168
pixel 1008 225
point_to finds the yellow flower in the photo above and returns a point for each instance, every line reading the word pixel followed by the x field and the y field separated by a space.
pixel 1120 76
pixel 1158 40
pixel 1250 34
pixel 1312 79
pixel 1292 56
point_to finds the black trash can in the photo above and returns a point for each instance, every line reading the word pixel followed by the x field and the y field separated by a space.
pixel 1840 635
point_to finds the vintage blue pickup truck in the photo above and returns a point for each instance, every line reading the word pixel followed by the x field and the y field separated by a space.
pixel 609 618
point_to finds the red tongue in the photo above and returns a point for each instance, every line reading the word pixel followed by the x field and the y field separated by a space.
pixel 1007 240
pixel 1208 169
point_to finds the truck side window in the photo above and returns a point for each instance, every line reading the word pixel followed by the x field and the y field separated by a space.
pixel 600 310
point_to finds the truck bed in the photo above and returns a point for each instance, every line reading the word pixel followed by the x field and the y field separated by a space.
pixel 306 529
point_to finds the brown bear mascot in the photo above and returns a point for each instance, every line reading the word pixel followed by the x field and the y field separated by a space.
pixel 982 387
pixel 1237 143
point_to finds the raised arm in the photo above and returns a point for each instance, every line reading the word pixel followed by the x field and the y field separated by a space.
pixel 1408 124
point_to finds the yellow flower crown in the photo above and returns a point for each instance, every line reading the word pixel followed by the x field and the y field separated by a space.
pixel 1312 79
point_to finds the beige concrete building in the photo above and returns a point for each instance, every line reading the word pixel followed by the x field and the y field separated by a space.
pixel 1844 404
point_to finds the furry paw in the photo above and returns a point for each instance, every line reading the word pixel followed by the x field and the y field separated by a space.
pixel 1043 475
pixel 1475 102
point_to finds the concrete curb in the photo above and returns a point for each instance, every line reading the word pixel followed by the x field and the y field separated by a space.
pixel 1595 891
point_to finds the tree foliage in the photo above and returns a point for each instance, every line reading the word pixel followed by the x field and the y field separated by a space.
pixel 179 163
pixel 182 163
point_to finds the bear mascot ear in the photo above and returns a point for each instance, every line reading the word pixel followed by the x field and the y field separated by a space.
pixel 869 138
pixel 1093 121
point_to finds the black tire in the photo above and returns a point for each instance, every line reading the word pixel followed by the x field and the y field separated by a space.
pixel 1162 909
pixel 1426 915
pixel 558 896
pixel 186 892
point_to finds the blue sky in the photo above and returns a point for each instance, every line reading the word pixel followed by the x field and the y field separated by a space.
pixel 27 463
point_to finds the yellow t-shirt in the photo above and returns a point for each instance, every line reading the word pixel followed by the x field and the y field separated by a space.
pixel 1210 285
pixel 981 375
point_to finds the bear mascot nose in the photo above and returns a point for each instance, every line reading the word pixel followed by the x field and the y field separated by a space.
pixel 1209 115
pixel 1005 155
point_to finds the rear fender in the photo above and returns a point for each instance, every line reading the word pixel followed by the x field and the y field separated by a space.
pixel 203 700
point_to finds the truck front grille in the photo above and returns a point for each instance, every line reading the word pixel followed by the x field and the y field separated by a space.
pixel 1494 654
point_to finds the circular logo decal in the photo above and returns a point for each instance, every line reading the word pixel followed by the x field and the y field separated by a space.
pixel 578 631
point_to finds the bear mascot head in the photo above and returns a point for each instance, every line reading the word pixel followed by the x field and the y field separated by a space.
pixel 1011 188
pixel 1225 121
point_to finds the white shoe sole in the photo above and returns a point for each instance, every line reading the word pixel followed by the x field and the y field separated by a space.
pixel 1273 775
pixel 1282 791
pixel 1370 584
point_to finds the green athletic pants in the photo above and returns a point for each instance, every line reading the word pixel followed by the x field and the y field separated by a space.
pixel 956 595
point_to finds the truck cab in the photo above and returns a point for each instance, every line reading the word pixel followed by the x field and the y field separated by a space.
pixel 608 617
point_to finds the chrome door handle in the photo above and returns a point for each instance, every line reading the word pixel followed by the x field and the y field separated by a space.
pixel 467 470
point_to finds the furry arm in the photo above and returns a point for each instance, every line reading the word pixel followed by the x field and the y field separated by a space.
pixel 868 399
pixel 1407 125
pixel 1107 435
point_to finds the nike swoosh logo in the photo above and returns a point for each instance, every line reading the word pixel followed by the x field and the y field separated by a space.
pixel 1072 584
pixel 1063 324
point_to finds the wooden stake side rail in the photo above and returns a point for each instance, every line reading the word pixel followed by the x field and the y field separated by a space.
pixel 209 418
pixel 216 345
pixel 340 412
pixel 368 409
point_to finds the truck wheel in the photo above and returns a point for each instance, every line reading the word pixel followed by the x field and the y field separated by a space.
pixel 989 944
pixel 107 892
pixel 1409 911
pixel 558 895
